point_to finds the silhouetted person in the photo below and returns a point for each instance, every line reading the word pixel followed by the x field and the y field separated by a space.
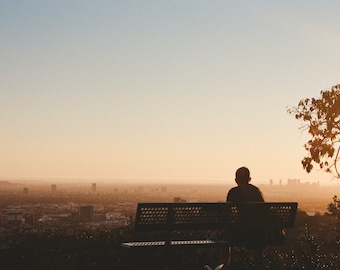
pixel 244 192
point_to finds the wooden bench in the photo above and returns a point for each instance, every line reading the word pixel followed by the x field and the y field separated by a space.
pixel 171 218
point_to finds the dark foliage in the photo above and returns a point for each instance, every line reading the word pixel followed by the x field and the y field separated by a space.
pixel 310 245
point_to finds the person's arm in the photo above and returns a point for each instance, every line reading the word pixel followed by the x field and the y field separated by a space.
pixel 261 199
pixel 230 196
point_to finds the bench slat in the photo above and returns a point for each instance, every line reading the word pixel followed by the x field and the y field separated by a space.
pixel 205 216
pixel 176 243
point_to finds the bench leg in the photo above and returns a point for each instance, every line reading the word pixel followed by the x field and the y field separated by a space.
pixel 225 256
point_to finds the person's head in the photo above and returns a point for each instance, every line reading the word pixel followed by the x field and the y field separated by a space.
pixel 242 176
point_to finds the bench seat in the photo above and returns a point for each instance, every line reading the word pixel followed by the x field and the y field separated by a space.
pixel 176 243
pixel 229 217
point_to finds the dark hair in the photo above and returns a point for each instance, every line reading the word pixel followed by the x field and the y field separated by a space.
pixel 242 175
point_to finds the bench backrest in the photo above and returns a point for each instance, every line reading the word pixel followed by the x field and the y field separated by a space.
pixel 211 216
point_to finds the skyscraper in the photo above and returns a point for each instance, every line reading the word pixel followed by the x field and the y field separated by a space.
pixel 94 187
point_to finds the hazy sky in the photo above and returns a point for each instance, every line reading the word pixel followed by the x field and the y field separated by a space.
pixel 187 90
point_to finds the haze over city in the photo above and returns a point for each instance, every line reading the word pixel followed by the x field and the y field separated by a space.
pixel 154 91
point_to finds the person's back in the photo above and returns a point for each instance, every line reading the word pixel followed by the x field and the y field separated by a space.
pixel 244 192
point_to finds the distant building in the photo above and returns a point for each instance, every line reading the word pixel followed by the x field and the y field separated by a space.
pixel 293 182
pixel 11 217
pixel 271 182
pixel 54 188
pixel 25 191
pixel 94 187
pixel 56 218
pixel 163 189
pixel 86 212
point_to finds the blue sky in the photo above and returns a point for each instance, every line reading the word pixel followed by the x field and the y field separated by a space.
pixel 183 90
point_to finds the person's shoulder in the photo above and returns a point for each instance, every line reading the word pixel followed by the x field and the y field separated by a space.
pixel 252 186
pixel 257 193
pixel 233 189
pixel 233 194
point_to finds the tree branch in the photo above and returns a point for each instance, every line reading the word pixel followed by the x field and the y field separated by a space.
pixel 335 162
